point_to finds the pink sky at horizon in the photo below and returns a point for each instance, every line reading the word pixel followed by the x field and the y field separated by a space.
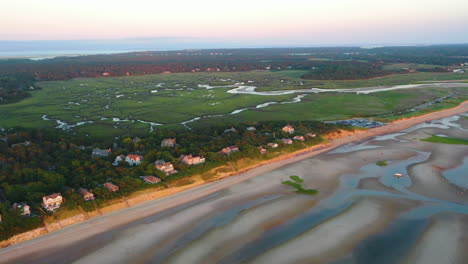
pixel 295 22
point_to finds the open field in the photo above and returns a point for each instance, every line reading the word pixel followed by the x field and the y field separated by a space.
pixel 134 105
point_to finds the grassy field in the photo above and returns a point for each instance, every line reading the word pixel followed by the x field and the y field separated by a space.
pixel 124 105
pixel 446 140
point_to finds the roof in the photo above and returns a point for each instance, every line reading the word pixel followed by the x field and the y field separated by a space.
pixel 52 196
pixel 85 192
pixel 134 156
pixel 151 179
pixel 110 185
pixel 20 205
pixel 163 165
pixel 229 149
pixel 186 156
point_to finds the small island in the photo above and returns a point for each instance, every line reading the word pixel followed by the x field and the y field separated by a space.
pixel 381 163
pixel 296 182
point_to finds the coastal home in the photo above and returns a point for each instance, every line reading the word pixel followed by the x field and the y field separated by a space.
pixel 100 152
pixel 251 128
pixel 288 129
pixel 118 159
pixel 232 130
pixel 287 141
pixel 310 135
pixel 151 179
pixel 300 138
pixel 52 202
pixel 87 195
pixel 136 140
pixel 168 143
pixel 24 208
pixel 272 145
pixel 0 218
pixel 133 159
pixel 165 167
pixel 192 160
pixel 262 150
pixel 228 150
pixel 111 187
pixel 458 71
pixel 26 143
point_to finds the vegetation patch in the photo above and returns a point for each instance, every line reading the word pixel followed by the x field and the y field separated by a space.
pixel 296 182
pixel 446 140
pixel 381 163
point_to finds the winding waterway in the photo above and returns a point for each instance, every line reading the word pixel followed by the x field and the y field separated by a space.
pixel 240 88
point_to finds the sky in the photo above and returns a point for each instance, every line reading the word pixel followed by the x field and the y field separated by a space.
pixel 239 22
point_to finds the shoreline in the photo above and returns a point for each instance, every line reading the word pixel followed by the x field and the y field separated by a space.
pixel 200 188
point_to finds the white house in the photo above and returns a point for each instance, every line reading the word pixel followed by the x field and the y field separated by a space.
pixel 118 159
pixel 24 207
pixel 52 202
pixel 168 142
pixel 100 152
pixel 165 167
pixel 288 129
pixel 133 159
pixel 272 145
pixel 191 160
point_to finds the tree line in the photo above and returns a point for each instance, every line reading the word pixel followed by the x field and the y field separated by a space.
pixel 35 163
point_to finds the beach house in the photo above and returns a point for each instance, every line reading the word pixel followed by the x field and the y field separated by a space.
pixel 111 187
pixel 191 160
pixel 272 145
pixel 101 153
pixel 165 167
pixel 87 195
pixel 228 150
pixel 118 159
pixel 300 138
pixel 287 141
pixel 52 202
pixel 23 207
pixel 288 129
pixel 168 143
pixel 133 159
pixel 151 179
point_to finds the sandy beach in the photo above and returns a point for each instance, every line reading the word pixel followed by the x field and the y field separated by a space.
pixel 251 204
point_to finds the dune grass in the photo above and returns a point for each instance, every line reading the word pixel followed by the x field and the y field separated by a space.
pixel 296 182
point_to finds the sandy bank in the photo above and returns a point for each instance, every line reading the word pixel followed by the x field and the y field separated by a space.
pixel 440 242
pixel 318 244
